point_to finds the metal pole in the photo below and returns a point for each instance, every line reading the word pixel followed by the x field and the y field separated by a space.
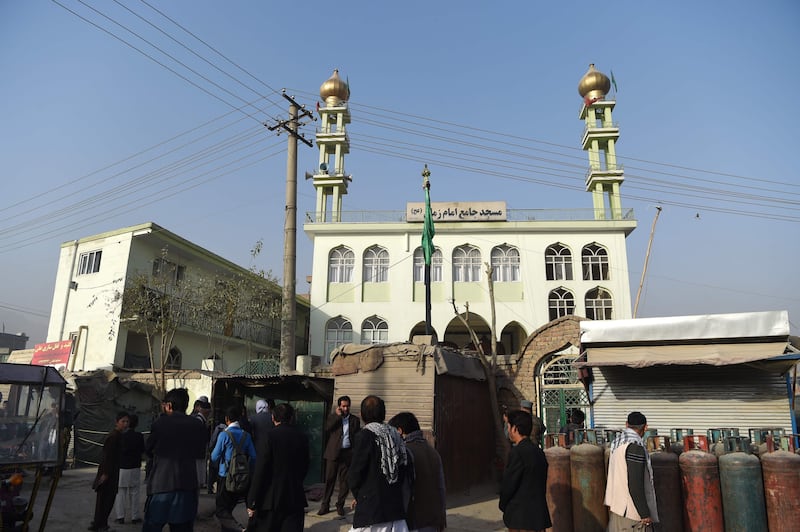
pixel 646 259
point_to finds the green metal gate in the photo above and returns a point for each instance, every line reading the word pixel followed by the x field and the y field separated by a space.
pixel 559 389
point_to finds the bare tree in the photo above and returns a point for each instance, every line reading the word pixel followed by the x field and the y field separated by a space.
pixel 156 305
pixel 489 362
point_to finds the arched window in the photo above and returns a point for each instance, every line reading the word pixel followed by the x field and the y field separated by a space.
pixel 561 303
pixel 505 264
pixel 419 266
pixel 374 330
pixel 558 263
pixel 466 264
pixel 376 265
pixel 595 263
pixel 340 265
pixel 599 305
pixel 338 331
pixel 174 359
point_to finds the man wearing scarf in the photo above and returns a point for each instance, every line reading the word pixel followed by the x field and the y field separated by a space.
pixel 630 495
pixel 378 474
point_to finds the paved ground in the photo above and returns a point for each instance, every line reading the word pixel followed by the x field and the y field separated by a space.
pixel 73 505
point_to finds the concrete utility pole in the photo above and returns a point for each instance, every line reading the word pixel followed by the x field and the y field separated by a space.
pixel 289 300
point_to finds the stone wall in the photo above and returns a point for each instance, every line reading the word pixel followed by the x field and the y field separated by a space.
pixel 515 377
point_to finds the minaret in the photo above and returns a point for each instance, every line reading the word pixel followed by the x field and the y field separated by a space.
pixel 329 177
pixel 599 137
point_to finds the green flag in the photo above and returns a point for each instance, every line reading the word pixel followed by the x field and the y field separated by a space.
pixel 613 81
pixel 427 228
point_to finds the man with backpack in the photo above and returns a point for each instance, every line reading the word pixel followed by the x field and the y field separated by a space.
pixel 236 455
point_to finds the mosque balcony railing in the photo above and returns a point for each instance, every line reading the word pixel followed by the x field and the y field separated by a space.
pixel 603 127
pixel 512 215
pixel 607 168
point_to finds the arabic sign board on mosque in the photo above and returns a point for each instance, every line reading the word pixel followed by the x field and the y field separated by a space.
pixel 458 211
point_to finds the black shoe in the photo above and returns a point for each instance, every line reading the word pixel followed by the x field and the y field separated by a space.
pixel 120 521
pixel 324 510
pixel 340 509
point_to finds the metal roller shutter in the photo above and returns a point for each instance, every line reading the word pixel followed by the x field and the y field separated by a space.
pixel 697 397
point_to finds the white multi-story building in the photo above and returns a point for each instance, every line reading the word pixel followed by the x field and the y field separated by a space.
pixel 367 278
pixel 88 305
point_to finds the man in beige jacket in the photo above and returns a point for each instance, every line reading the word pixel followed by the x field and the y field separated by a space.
pixel 630 496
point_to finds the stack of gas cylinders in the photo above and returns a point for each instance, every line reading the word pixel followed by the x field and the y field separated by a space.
pixel 718 482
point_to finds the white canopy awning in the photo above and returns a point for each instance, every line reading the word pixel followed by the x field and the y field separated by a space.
pixel 709 354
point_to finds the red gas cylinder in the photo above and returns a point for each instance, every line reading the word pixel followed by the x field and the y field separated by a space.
pixel 781 471
pixel 702 509
pixel 667 483
pixel 559 488
pixel 588 480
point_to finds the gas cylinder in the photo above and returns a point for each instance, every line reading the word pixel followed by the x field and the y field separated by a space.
pixel 742 488
pixel 781 488
pixel 758 438
pixel 676 437
pixel 559 488
pixel 588 481
pixel 667 483
pixel 702 506
pixel 716 439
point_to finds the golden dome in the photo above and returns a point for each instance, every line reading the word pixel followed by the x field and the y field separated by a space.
pixel 594 84
pixel 334 87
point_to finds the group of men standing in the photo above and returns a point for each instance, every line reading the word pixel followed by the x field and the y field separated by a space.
pixel 395 475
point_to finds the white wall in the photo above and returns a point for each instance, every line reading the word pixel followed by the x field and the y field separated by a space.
pixel 400 240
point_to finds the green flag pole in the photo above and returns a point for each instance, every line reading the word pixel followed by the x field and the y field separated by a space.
pixel 427 246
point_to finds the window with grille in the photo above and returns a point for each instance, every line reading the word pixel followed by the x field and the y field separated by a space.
pixel 466 264
pixel 558 263
pixel 595 263
pixel 168 269
pixel 376 265
pixel 340 265
pixel 599 305
pixel 89 262
pixel 505 264
pixel 374 330
pixel 419 266
pixel 561 302
pixel 338 331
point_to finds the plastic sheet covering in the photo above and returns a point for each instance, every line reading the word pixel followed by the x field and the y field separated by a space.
pixel 100 396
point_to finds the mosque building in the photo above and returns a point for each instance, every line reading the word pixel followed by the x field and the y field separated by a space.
pixel 367 274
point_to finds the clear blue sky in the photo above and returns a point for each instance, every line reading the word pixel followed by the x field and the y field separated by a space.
pixel 486 96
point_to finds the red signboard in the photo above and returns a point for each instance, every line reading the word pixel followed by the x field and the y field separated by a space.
pixel 52 353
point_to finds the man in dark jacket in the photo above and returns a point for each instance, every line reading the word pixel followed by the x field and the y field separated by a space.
pixel 130 472
pixel 427 511
pixel 176 441
pixel 107 480
pixel 340 429
pixel 523 490
pixel 276 500
pixel 378 473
